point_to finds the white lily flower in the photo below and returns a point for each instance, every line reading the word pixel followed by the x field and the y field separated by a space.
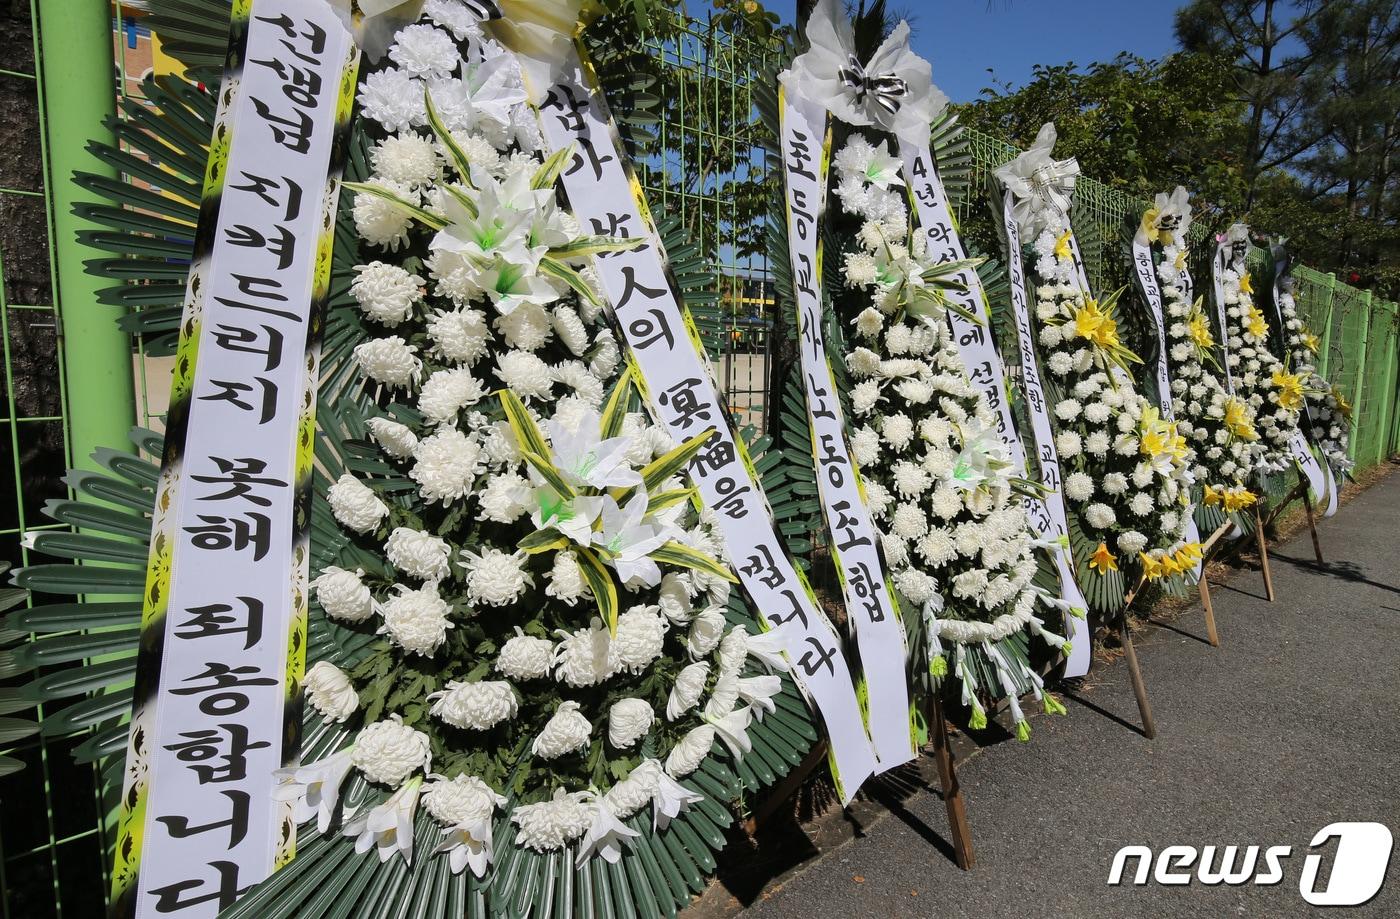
pixel 314 788
pixel 982 457
pixel 510 285
pixel 468 845
pixel 605 836
pixel 769 646
pixel 628 539
pixel 388 827
pixel 493 88
pixel 571 516
pixel 1168 221
pixel 733 729
pixel 584 457
pixel 758 692
pixel 670 799
pixel 497 234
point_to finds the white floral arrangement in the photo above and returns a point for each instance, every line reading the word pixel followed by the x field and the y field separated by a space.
pixel 1127 471
pixel 940 482
pixel 547 612
pixel 1259 376
pixel 1218 426
pixel 1327 416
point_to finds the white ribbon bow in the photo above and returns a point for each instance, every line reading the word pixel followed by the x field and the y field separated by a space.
pixel 1040 185
pixel 1171 214
pixel 892 91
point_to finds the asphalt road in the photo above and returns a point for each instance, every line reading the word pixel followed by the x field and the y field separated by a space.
pixel 1289 726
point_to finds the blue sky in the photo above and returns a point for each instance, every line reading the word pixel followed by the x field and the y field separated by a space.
pixel 963 38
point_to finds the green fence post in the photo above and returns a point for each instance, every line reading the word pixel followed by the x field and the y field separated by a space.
pixel 1384 381
pixel 1390 434
pixel 78 97
pixel 1356 397
pixel 1326 357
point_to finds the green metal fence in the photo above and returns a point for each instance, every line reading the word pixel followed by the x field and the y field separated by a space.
pixel 52 845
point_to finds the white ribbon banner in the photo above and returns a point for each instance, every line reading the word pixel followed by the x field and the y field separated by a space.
pixel 1298 442
pixel 870 604
pixel 1217 277
pixel 686 399
pixel 1047 514
pixel 1145 267
pixel 215 715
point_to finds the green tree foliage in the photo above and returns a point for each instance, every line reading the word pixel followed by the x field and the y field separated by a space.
pixel 1135 124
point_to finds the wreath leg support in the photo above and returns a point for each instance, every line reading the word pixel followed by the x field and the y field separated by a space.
pixel 1149 725
pixel 952 790
pixel 1263 553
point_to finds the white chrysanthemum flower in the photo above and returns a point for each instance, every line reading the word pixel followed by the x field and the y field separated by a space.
pixel 604 357
pixel 393 98
pixel 1115 483
pixel 916 585
pixel 733 650
pixel 390 361
pixel 674 596
pixel 446 465
pixel 555 823
pixel 636 791
pixel 527 327
pixel 570 329
pixel 910 479
pixel 525 374
pixel 410 159
pixel 418 554
pixel 525 657
pixel 476 706
pixel 629 720
pixel 865 445
pixel 706 630
pixel 566 732
pixel 355 505
pixel 380 222
pixel 864 396
pixel 909 521
pixel 1078 486
pixel 566 581
pixel 863 362
pixel 416 620
pixel 936 546
pixel 1141 505
pixel 585 657
pixel 343 595
pixel 330 692
pixel 587 388
pixel 1132 542
pixel 1099 516
pixel 1097 444
pixel 424 51
pixel 897 430
pixel 687 690
pixel 870 322
pixel 386 293
pixel 389 751
pixel 395 439
pixel 463 800
pixel 690 751
pixel 641 632
pixel 506 498
pixel 459 335
pixel 495 577
pixel 447 392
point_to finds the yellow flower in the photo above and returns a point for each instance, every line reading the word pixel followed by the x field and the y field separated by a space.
pixel 1213 497
pixel 1188 555
pixel 1238 498
pixel 1062 249
pixel 1103 561
pixel 1239 421
pixel 1246 283
pixel 1310 341
pixel 1170 566
pixel 1343 405
pixel 1159 438
pixel 1149 225
pixel 1255 324
pixel 1096 325
pixel 1151 567
pixel 1290 389
pixel 1199 329
pixel 1180 263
